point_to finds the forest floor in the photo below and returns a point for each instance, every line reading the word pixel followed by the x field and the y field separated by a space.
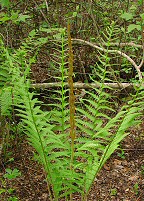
pixel 121 178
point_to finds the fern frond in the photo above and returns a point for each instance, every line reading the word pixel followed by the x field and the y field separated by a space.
pixel 5 76
pixel 71 162
pixel 6 101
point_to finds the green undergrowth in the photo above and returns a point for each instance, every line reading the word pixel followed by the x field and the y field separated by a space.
pixel 71 163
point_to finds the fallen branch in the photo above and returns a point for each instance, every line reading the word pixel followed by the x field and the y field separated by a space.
pixel 131 44
pixel 137 67
pixel 85 85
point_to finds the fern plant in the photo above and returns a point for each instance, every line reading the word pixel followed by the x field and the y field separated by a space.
pixel 73 140
pixel 101 133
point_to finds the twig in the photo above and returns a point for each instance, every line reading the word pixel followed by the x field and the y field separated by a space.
pixel 47 6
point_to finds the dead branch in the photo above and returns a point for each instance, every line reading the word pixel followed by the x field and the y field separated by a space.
pixel 79 85
pixel 131 44
pixel 137 67
pixel 124 44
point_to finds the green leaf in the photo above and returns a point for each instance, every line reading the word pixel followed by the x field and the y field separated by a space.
pixel 140 2
pixel 74 14
pixel 4 19
pixel 142 16
pixel 12 174
pixel 14 15
pixel 13 199
pixel 11 190
pixel 22 18
pixel 5 3
pixel 131 27
pixel 32 33
pixel 2 190
pixel 127 16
